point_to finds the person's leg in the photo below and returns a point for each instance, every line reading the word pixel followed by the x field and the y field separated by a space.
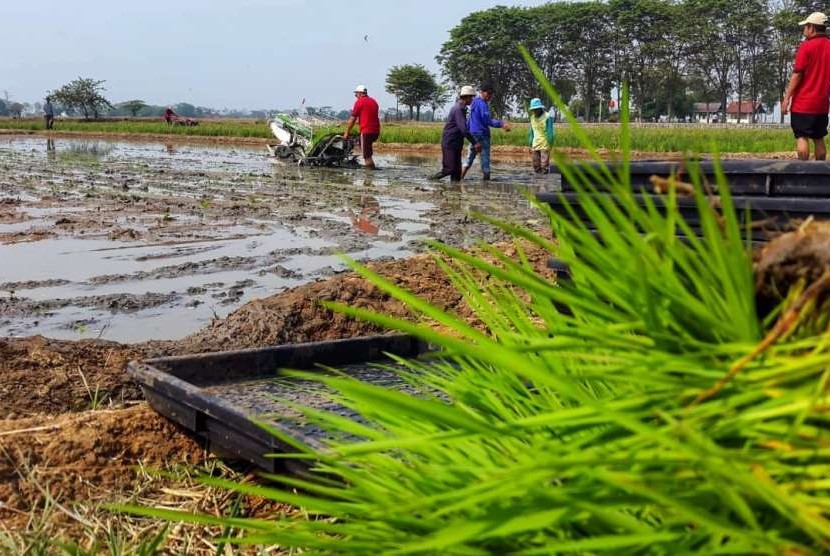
pixel 485 158
pixel 367 141
pixel 447 157
pixel 820 149
pixel 802 147
pixel 537 161
pixel 455 174
pixel 546 161
pixel 471 156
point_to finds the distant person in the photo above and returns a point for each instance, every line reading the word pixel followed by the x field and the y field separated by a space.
pixel 807 97
pixel 365 111
pixel 169 116
pixel 480 124
pixel 540 137
pixel 452 138
pixel 49 113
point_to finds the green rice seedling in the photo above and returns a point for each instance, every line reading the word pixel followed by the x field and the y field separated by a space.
pixel 639 408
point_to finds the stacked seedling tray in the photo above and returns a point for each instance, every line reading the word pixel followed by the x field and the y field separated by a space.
pixel 223 397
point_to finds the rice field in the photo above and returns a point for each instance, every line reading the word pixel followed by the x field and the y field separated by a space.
pixel 672 138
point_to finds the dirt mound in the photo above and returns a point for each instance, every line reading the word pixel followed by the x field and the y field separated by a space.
pixel 296 315
pixel 39 375
pixel 80 456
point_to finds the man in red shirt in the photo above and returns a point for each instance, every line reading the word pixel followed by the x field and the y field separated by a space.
pixel 365 112
pixel 807 97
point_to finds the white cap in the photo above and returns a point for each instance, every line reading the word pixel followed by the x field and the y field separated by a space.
pixel 360 89
pixel 467 91
pixel 815 18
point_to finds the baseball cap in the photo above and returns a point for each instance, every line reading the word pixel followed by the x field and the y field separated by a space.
pixel 815 18
pixel 360 89
pixel 467 91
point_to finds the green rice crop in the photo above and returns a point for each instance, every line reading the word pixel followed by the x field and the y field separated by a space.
pixel 640 408
pixel 691 139
pixel 206 128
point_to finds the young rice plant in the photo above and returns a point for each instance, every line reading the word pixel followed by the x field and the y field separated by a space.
pixel 639 408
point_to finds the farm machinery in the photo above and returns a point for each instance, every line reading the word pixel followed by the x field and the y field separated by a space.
pixel 297 144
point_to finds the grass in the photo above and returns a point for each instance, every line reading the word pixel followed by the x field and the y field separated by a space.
pixel 642 407
pixel 55 528
pixel 650 139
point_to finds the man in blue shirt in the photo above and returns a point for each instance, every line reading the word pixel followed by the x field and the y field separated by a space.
pixel 480 124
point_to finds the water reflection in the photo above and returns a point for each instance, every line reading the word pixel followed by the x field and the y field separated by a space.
pixel 366 208
pixel 50 150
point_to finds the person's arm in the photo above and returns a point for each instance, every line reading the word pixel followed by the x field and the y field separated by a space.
pixel 549 129
pixel 530 134
pixel 788 93
pixel 352 119
pixel 802 56
pixel 461 123
pixel 349 125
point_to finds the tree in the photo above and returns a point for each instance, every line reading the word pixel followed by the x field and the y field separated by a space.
pixel 483 48
pixel 84 95
pixel 185 109
pixel 16 109
pixel 4 109
pixel 441 95
pixel 412 84
pixel 133 106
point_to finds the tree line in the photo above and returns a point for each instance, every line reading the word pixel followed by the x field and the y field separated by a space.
pixel 672 53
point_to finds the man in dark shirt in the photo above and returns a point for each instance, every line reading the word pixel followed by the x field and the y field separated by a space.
pixel 807 97
pixel 452 138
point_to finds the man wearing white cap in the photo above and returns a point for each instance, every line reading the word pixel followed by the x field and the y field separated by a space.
pixel 452 138
pixel 807 97
pixel 365 111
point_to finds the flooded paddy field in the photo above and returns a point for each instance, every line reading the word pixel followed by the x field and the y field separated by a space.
pixel 133 241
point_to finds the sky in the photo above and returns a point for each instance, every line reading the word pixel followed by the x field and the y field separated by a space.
pixel 231 54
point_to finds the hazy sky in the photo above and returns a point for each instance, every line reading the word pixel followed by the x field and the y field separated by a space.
pixel 234 54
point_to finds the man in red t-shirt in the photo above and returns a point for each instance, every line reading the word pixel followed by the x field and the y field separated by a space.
pixel 365 112
pixel 808 94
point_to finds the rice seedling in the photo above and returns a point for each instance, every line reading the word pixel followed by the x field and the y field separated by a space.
pixel 642 407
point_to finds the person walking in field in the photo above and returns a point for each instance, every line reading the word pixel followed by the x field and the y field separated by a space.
pixel 807 97
pixel 480 124
pixel 365 112
pixel 452 138
pixel 169 115
pixel 49 113
pixel 540 136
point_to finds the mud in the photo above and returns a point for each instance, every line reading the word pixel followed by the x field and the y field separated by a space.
pixel 142 241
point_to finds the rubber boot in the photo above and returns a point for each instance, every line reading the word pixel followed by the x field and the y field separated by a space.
pixel 464 170
pixel 485 176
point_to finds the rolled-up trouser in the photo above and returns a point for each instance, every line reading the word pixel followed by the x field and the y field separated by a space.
pixel 451 159
pixel 485 153
pixel 541 161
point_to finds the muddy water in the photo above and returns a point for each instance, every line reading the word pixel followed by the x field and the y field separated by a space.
pixel 134 241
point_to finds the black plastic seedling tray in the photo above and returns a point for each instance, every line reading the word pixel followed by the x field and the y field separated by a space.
pixel 221 397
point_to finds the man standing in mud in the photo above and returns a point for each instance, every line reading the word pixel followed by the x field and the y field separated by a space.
pixel 480 124
pixel 452 138
pixel 365 112
pixel 807 97
pixel 49 113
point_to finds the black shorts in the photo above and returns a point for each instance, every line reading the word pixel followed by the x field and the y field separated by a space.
pixel 367 142
pixel 811 126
